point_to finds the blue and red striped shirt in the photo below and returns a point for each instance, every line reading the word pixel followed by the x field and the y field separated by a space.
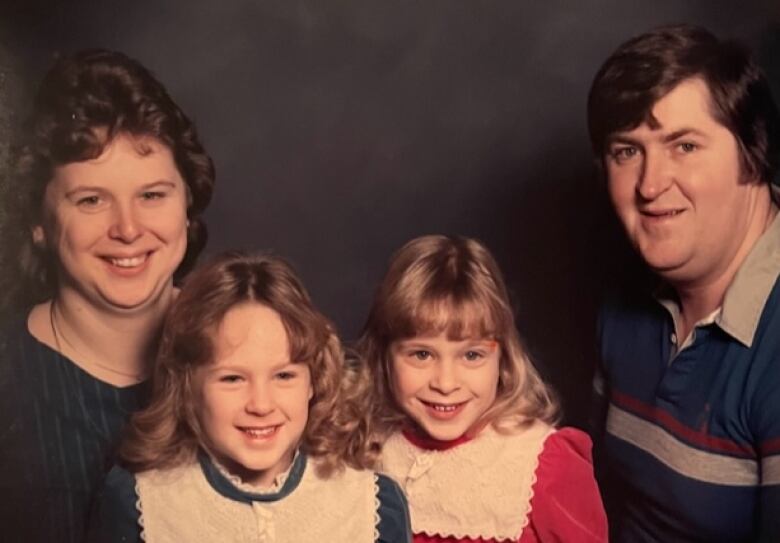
pixel 692 441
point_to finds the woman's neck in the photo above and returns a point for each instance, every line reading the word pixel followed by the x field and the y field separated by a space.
pixel 112 345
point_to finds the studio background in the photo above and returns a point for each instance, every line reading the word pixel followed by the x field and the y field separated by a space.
pixel 340 129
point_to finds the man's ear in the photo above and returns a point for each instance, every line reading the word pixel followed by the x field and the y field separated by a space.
pixel 38 236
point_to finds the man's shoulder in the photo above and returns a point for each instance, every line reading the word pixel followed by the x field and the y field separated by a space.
pixel 628 305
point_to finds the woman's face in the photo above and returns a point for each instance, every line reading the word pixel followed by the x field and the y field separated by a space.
pixel 117 224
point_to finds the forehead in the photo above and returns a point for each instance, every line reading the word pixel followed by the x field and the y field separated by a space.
pixel 251 332
pixel 444 341
pixel 688 107
pixel 125 160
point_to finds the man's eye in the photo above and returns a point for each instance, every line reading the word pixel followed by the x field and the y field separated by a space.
pixel 687 147
pixel 623 153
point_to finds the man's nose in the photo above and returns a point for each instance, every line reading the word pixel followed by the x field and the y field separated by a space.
pixel 656 177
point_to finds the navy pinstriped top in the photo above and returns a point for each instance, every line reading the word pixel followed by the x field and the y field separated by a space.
pixel 59 428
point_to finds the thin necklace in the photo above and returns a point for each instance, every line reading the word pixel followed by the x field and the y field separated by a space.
pixel 138 377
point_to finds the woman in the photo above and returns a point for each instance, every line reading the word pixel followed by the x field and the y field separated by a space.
pixel 110 180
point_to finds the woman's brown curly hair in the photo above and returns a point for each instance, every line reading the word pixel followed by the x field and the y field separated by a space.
pixel 168 433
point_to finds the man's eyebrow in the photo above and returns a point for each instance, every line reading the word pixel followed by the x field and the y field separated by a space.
pixel 619 137
pixel 677 134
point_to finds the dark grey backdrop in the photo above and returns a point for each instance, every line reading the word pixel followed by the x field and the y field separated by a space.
pixel 342 128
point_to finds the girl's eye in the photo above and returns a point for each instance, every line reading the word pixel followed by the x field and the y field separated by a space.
pixel 231 378
pixel 286 375
pixel 421 355
pixel 472 356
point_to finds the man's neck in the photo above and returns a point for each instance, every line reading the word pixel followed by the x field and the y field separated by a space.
pixel 700 299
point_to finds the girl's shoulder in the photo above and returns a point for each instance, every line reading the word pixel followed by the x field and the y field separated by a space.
pixel 567 503
pixel 568 443
pixel 393 510
pixel 115 515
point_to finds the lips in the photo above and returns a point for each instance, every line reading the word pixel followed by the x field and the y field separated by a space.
pixel 127 265
pixel 260 432
pixel 129 262
pixel 661 213
pixel 443 411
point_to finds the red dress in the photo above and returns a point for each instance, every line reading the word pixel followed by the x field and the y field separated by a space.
pixel 566 504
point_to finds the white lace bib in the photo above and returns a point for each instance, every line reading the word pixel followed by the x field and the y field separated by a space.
pixel 482 488
pixel 180 505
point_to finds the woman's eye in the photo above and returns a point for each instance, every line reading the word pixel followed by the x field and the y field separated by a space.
pixel 230 378
pixel 88 201
pixel 471 356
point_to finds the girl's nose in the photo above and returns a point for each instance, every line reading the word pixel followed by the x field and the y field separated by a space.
pixel 445 379
pixel 260 400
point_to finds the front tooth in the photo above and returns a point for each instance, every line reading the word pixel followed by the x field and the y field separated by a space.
pixel 127 262
pixel 259 433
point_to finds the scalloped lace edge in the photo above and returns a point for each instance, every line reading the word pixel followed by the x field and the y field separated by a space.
pixel 377 518
pixel 526 519
pixel 140 509
pixel 239 483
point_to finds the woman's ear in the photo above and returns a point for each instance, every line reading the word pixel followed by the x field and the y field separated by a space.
pixel 38 236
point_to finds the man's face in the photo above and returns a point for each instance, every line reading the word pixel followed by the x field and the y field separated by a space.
pixel 679 190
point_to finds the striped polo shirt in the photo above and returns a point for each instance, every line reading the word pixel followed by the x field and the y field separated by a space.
pixel 59 428
pixel 692 442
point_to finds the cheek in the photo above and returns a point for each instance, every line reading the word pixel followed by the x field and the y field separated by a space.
pixel 214 410
pixel 70 233
pixel 404 381
pixel 170 223
pixel 620 189
pixel 488 380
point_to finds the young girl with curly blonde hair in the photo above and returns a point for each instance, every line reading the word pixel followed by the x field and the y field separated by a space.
pixel 248 436
pixel 469 424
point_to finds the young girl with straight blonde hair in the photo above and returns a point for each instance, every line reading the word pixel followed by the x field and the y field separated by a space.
pixel 249 435
pixel 468 423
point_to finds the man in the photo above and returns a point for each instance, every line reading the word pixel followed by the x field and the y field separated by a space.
pixel 688 137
